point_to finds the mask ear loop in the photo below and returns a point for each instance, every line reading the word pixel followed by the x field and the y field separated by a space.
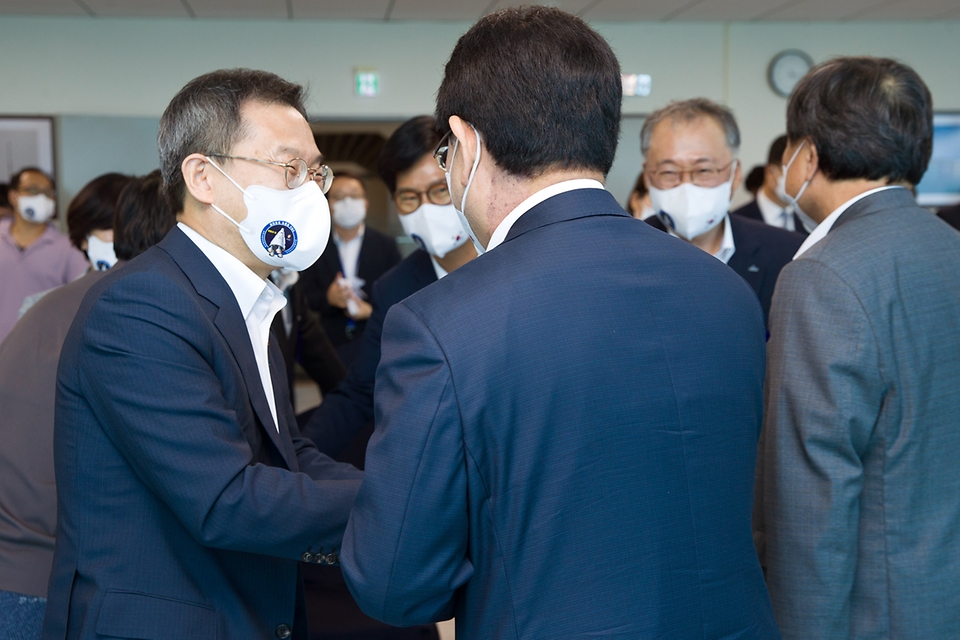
pixel 218 209
pixel 473 170
pixel 806 183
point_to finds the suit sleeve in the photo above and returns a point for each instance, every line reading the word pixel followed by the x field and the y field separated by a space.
pixel 405 549
pixel 152 372
pixel 823 396
pixel 349 407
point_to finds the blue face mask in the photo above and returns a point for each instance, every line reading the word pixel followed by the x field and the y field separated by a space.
pixel 463 201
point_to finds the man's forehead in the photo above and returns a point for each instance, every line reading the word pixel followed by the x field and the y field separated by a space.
pixel 277 131
pixel 34 177
pixel 701 136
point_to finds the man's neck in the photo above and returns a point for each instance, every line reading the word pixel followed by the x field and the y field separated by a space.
pixel 24 232
pixel 234 245
pixel 828 196
pixel 458 257
pixel 772 195
pixel 346 235
pixel 712 240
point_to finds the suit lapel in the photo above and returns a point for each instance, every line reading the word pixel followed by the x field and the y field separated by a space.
pixel 210 284
pixel 743 260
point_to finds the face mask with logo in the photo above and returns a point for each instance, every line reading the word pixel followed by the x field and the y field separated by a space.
pixel 781 189
pixel 435 228
pixel 463 201
pixel 38 208
pixel 690 211
pixel 283 228
pixel 348 213
pixel 100 253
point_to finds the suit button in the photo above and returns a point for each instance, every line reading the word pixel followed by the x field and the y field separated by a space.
pixel 283 632
pixel 306 557
pixel 332 558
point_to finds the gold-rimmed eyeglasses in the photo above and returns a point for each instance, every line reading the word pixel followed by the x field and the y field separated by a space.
pixel 702 176
pixel 296 171
pixel 409 200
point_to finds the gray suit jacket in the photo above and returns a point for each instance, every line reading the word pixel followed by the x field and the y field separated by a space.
pixel 858 480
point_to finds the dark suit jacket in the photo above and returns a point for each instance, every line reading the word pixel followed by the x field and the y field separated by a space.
pixel 28 492
pixel 752 210
pixel 950 215
pixel 183 512
pixel 761 252
pixel 349 407
pixel 564 445
pixel 856 511
pixel 308 344
pixel 378 254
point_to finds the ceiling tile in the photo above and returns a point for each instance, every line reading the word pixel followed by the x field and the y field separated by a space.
pixel 138 9
pixel 42 8
pixel 240 9
pixel 821 9
pixel 630 10
pixel 338 10
pixel 439 10
pixel 913 10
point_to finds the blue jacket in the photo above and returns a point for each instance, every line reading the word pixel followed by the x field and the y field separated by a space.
pixel 565 441
pixel 182 511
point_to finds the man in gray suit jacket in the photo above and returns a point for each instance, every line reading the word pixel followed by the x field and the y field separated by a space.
pixel 856 506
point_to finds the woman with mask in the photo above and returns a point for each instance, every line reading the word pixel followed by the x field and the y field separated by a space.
pixel 34 255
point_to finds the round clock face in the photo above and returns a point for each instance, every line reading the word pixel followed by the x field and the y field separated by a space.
pixel 786 69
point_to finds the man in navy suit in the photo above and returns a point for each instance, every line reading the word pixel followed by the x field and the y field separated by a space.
pixel 566 425
pixel 768 205
pixel 186 496
pixel 691 169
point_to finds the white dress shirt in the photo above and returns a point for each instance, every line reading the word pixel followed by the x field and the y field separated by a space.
pixel 824 227
pixel 500 233
pixel 727 245
pixel 437 269
pixel 258 299
pixel 773 214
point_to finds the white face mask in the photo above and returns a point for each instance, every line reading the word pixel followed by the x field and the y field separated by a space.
pixel 348 213
pixel 690 211
pixel 435 228
pixel 38 208
pixel 781 189
pixel 646 212
pixel 463 201
pixel 100 253
pixel 283 228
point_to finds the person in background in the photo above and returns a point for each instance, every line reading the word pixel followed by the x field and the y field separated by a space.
pixel 90 224
pixel 754 180
pixel 638 204
pixel 769 203
pixel 567 424
pixel 34 256
pixel 339 285
pixel 856 506
pixel 187 499
pixel 28 498
pixel 691 168
pixel 950 215
pixel 419 190
pixel 5 208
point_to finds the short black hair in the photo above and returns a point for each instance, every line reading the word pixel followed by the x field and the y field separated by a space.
pixel 777 147
pixel 14 184
pixel 94 207
pixel 755 179
pixel 204 117
pixel 541 87
pixel 143 216
pixel 869 118
pixel 411 141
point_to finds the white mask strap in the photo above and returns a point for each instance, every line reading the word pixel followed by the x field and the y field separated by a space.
pixel 473 170
pixel 242 190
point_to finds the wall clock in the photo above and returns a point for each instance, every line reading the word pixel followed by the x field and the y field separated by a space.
pixel 786 69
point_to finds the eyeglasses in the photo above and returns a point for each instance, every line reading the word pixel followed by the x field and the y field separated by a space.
pixel 441 152
pixel 705 176
pixel 408 200
pixel 296 171
pixel 36 191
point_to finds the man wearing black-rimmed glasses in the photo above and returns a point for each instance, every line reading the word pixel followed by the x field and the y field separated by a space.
pixel 187 497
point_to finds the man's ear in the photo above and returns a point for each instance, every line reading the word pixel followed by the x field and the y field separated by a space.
pixel 812 159
pixel 197 173
pixel 466 150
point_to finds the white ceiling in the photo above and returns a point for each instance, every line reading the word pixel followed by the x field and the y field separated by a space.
pixel 470 10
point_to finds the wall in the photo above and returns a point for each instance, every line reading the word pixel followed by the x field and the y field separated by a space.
pixel 132 67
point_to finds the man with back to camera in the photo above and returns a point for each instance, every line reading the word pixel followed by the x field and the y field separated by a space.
pixel 557 453
pixel 769 203
pixel 186 496
pixel 855 515
pixel 419 190
pixel 692 171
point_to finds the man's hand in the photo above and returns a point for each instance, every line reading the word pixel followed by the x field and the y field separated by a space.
pixel 339 292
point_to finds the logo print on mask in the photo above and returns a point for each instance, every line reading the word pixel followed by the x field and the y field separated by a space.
pixel 102 265
pixel 666 218
pixel 279 238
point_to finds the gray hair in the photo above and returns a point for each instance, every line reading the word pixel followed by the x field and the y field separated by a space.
pixel 204 117
pixel 687 111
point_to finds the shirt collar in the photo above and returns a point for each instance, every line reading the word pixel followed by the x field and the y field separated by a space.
pixel 440 271
pixel 337 240
pixel 824 227
pixel 49 234
pixel 727 246
pixel 772 212
pixel 500 233
pixel 244 283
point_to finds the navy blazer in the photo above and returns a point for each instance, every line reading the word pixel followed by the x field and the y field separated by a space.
pixel 761 252
pixel 752 210
pixel 565 440
pixel 349 407
pixel 183 511
pixel 378 254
